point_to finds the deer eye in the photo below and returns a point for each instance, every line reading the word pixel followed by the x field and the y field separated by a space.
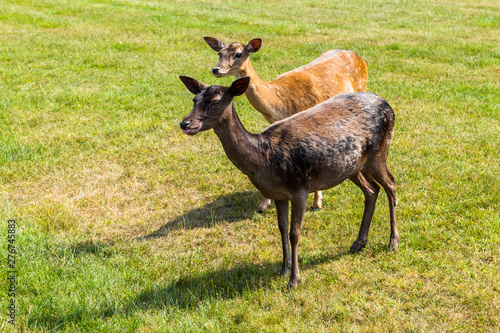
pixel 216 102
pixel 237 55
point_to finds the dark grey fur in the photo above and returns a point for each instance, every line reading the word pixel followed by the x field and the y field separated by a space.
pixel 345 137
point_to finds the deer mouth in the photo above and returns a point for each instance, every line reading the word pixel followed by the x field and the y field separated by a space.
pixel 190 131
pixel 187 129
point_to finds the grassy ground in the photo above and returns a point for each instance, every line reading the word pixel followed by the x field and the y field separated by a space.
pixel 124 224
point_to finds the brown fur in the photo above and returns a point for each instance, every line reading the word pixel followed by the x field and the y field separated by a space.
pixel 334 72
pixel 345 137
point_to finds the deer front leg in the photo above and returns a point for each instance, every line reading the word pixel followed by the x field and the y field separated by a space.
pixel 282 211
pixel 299 204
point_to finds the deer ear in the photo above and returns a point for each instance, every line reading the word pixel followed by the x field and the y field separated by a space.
pixel 193 85
pixel 239 86
pixel 214 43
pixel 254 45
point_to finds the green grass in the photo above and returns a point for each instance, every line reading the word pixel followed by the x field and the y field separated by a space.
pixel 127 225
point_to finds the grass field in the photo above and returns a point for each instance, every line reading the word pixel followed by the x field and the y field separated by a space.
pixel 124 224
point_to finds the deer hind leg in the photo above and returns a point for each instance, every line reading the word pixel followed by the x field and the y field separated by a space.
pixel 370 190
pixel 382 175
pixel 318 199
pixel 264 204
pixel 317 203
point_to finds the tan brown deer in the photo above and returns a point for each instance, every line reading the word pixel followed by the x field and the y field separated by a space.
pixel 345 137
pixel 334 72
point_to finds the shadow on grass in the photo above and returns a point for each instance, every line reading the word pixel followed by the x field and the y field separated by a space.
pixel 186 292
pixel 229 208
pixel 99 249
pixel 192 291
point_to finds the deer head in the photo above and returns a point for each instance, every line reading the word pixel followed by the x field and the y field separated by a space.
pixel 232 56
pixel 210 103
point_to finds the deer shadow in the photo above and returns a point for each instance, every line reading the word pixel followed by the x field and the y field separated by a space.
pixel 232 207
pixel 189 291
pixel 192 289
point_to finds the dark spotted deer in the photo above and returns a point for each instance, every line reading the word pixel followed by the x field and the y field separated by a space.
pixel 345 137
pixel 334 72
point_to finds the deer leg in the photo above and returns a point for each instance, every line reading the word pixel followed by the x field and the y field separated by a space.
pixel 282 211
pixel 263 205
pixel 318 199
pixel 299 204
pixel 370 190
pixel 388 182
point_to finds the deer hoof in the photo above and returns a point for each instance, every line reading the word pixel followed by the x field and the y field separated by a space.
pixel 291 285
pixel 263 205
pixel 394 244
pixel 357 246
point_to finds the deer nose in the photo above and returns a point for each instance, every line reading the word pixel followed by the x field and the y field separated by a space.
pixel 215 70
pixel 185 123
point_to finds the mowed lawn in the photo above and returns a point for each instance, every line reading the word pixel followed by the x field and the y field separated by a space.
pixel 125 224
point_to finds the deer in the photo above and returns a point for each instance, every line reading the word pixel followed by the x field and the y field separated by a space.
pixel 344 137
pixel 334 72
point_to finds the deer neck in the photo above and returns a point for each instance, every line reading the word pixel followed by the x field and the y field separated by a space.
pixel 261 94
pixel 241 146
